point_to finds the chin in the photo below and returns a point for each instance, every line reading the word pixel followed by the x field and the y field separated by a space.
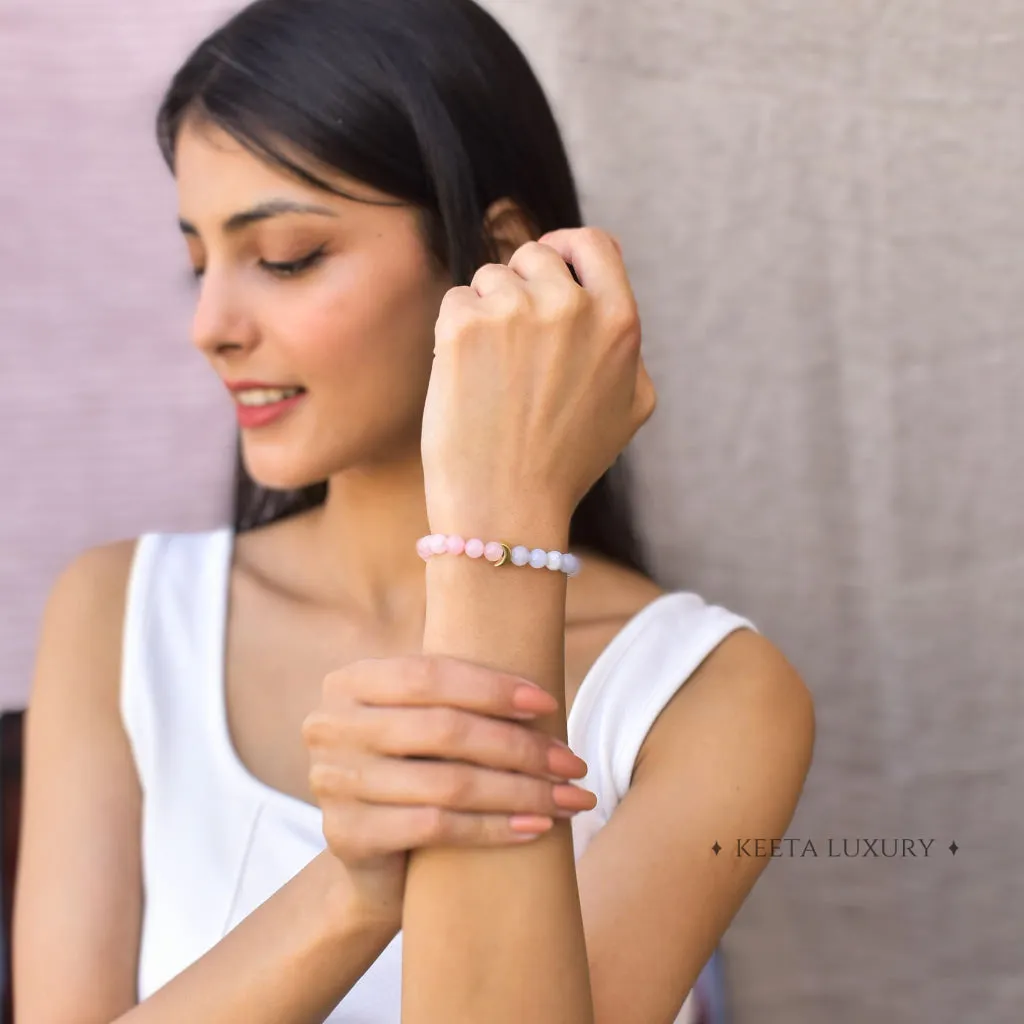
pixel 284 474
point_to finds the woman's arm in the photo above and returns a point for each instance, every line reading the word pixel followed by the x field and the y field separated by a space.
pixel 497 935
pixel 536 388
pixel 78 900
pixel 289 962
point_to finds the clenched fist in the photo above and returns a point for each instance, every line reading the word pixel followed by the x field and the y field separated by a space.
pixel 537 383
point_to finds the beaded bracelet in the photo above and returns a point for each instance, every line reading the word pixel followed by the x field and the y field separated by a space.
pixel 497 552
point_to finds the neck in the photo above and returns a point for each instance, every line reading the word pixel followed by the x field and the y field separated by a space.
pixel 362 540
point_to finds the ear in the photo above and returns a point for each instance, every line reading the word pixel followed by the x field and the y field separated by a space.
pixel 509 226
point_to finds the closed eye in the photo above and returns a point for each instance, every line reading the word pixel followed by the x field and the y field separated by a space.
pixel 294 267
pixel 290 269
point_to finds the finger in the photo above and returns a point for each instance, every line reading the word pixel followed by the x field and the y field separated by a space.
pixel 458 305
pixel 409 828
pixel 595 257
pixel 497 279
pixel 452 785
pixel 535 261
pixel 433 680
pixel 362 832
pixel 453 735
pixel 454 828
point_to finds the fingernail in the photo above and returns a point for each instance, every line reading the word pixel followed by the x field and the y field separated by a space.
pixel 532 698
pixel 530 823
pixel 566 763
pixel 574 797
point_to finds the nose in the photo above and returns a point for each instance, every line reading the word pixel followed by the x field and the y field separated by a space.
pixel 221 322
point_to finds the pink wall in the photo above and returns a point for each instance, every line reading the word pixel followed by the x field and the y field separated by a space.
pixel 111 423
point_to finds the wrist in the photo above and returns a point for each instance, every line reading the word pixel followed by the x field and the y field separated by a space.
pixel 347 910
pixel 533 525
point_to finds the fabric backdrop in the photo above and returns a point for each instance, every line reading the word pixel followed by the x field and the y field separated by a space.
pixel 820 206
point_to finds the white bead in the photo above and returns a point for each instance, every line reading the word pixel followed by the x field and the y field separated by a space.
pixel 570 564
pixel 520 555
pixel 438 543
pixel 538 558
pixel 554 560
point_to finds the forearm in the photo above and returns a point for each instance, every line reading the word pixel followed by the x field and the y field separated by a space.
pixel 496 935
pixel 289 962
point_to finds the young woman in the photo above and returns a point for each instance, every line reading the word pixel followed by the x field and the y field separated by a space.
pixel 306 766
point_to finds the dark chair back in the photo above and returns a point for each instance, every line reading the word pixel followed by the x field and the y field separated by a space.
pixel 11 724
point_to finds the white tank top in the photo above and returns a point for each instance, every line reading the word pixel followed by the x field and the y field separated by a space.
pixel 217 842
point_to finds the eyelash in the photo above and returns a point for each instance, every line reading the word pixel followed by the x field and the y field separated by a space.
pixel 284 270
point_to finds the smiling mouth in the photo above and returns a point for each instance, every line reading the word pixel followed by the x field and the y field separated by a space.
pixel 269 411
pixel 255 398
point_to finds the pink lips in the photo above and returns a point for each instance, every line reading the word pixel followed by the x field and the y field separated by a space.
pixel 250 416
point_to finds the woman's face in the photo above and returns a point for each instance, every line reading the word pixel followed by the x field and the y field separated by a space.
pixel 351 320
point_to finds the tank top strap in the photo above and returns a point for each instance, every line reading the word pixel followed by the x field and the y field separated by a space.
pixel 632 680
pixel 172 637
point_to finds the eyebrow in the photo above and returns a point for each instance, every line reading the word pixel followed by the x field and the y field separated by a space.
pixel 262 211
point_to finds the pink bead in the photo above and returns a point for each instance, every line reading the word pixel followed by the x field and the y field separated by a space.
pixel 438 543
pixel 492 552
pixel 456 545
pixel 423 548
pixel 474 547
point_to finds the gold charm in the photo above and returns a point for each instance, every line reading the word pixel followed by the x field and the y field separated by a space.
pixel 506 554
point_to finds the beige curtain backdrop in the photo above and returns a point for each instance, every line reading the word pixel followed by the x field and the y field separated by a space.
pixel 821 210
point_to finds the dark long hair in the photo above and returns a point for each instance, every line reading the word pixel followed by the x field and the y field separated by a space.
pixel 429 101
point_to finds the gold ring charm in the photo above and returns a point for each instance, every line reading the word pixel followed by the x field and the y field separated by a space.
pixel 506 554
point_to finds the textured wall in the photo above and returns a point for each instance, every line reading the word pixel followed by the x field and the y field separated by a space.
pixel 821 210
pixel 112 422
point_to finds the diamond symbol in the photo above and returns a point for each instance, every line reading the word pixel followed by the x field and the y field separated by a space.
pixel 953 847
pixel 716 848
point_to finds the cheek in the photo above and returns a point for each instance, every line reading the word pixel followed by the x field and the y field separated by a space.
pixel 373 324
pixel 326 327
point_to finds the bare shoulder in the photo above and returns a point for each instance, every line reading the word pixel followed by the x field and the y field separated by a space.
pixel 745 691
pixel 745 674
pixel 87 599
pixel 103 564
pixel 609 594
pixel 99 574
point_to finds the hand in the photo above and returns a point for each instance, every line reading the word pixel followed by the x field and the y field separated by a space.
pixel 537 383
pixel 426 750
